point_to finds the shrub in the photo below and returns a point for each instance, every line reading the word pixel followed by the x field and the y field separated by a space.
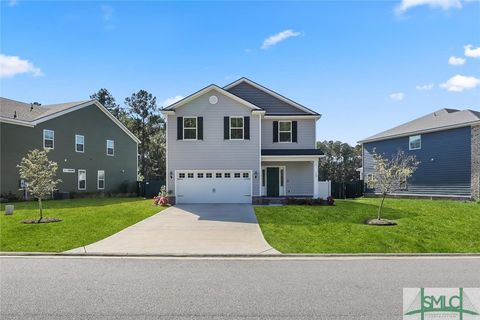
pixel 330 201
pixel 162 197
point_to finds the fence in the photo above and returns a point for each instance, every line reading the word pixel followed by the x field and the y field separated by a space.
pixel 344 190
pixel 324 189
pixel 149 188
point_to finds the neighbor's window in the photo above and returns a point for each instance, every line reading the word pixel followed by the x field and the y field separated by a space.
pixel 79 143
pixel 370 181
pixel 101 179
pixel 110 147
pixel 48 139
pixel 82 179
pixel 189 128
pixel 236 128
pixel 415 142
pixel 285 131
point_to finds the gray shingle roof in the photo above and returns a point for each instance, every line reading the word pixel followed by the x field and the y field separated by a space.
pixel 438 120
pixel 29 113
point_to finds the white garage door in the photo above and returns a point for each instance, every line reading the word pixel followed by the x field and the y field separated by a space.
pixel 214 186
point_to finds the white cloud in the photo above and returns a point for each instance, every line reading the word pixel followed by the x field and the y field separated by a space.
pixel 458 83
pixel 425 87
pixel 171 100
pixel 279 37
pixel 405 5
pixel 454 61
pixel 398 96
pixel 13 65
pixel 472 52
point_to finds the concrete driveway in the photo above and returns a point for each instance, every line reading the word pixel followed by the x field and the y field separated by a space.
pixel 190 229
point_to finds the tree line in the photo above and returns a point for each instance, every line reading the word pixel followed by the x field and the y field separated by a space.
pixel 141 115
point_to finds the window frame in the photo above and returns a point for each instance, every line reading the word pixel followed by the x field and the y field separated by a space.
pixel 98 179
pixel 410 138
pixel 78 179
pixel 53 139
pixel 76 144
pixel 113 149
pixel 285 131
pixel 236 128
pixel 190 128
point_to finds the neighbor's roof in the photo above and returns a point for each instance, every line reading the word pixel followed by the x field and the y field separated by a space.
pixel 442 119
pixel 22 111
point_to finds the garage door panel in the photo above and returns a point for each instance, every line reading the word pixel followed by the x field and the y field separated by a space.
pixel 232 186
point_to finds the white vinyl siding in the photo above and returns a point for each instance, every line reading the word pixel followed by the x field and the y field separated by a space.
pixel 79 143
pixel 82 179
pixel 48 139
pixel 305 135
pixel 110 147
pixel 100 179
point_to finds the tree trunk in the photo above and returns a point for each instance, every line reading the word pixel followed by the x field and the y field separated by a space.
pixel 41 209
pixel 381 206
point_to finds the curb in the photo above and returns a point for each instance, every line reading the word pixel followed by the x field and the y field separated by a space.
pixel 264 256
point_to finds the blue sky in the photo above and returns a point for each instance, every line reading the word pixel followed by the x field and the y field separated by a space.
pixel 366 66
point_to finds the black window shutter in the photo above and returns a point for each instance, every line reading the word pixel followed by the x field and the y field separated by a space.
pixel 275 131
pixel 200 128
pixel 246 128
pixel 226 128
pixel 294 131
pixel 179 128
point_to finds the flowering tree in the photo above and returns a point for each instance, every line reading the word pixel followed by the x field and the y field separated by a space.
pixel 391 174
pixel 39 173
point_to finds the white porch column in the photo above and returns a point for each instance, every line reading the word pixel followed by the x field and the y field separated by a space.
pixel 315 179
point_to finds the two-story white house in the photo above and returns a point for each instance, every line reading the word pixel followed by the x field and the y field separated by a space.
pixel 238 143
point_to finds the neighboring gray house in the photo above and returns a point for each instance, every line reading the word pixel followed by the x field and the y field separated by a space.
pixel 238 143
pixel 447 144
pixel 93 150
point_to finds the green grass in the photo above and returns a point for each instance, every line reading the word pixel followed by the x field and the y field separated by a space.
pixel 84 221
pixel 423 226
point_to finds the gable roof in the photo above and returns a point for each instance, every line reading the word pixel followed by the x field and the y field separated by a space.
pixel 205 90
pixel 267 99
pixel 439 120
pixel 21 113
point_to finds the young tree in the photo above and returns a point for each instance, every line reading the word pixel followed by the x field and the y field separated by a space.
pixel 39 173
pixel 145 122
pixel 108 101
pixel 390 174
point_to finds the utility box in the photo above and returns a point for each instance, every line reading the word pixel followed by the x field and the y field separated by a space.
pixel 9 209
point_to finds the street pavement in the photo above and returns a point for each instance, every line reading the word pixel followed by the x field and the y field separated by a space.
pixel 221 288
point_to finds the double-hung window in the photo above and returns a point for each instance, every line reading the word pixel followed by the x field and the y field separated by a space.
pixel 285 131
pixel 100 179
pixel 82 179
pixel 110 147
pixel 236 128
pixel 48 139
pixel 79 143
pixel 189 128
pixel 415 142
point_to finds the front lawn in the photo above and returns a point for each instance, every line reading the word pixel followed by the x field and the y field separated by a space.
pixel 84 221
pixel 423 226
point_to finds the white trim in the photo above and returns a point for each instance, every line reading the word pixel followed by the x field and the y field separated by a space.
pixel 236 128
pixel 17 122
pixel 190 128
pixel 167 169
pixel 205 90
pixel 80 135
pixel 294 117
pixel 83 105
pixel 260 153
pixel 78 179
pixel 106 149
pixel 53 140
pixel 315 179
pixel 270 92
pixel 412 133
pixel 419 136
pixel 290 131
pixel 98 179
pixel 291 158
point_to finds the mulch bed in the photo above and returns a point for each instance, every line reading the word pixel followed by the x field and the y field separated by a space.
pixel 44 220
pixel 381 222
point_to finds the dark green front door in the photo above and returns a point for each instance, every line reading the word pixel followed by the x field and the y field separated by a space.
pixel 272 182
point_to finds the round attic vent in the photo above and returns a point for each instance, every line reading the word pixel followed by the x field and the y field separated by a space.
pixel 213 99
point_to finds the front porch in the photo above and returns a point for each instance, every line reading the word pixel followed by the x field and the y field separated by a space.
pixel 289 173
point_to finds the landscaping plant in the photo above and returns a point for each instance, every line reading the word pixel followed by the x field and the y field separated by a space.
pixel 391 174
pixel 39 174
pixel 162 197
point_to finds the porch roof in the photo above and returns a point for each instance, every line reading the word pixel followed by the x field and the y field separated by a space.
pixel 292 152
